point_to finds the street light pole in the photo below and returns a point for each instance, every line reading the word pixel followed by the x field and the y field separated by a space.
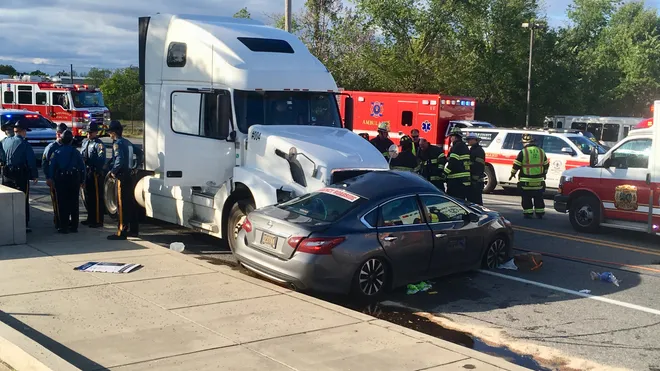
pixel 529 74
pixel 287 15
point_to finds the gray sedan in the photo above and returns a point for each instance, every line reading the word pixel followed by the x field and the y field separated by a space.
pixel 377 231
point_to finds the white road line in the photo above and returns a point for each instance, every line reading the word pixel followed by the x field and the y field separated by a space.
pixel 499 201
pixel 576 293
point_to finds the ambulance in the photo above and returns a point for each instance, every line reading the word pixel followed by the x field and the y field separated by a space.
pixel 565 149
pixel 620 190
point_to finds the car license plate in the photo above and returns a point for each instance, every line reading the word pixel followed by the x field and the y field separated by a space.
pixel 269 240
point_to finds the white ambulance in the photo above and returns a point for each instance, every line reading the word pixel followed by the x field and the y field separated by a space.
pixel 565 149
pixel 621 190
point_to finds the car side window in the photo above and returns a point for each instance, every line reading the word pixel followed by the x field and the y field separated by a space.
pixel 553 144
pixel 372 217
pixel 441 209
pixel 634 154
pixel 402 211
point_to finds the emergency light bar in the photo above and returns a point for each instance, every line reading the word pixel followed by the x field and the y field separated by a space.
pixel 465 103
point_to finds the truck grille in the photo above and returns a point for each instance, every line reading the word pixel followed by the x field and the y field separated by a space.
pixel 97 117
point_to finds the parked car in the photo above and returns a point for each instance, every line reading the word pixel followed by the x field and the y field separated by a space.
pixel 379 230
pixel 42 131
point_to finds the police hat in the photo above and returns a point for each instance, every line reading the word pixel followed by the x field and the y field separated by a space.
pixel 93 127
pixel 67 136
pixel 22 124
pixel 61 128
pixel 114 126
pixel 472 136
pixel 6 126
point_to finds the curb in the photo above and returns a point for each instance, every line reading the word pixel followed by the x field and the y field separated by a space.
pixel 24 354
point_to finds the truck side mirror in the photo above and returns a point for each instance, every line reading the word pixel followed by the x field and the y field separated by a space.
pixel 348 113
pixel 593 157
pixel 223 102
pixel 568 151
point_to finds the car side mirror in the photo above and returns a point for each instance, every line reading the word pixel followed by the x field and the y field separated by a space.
pixel 568 151
pixel 593 157
pixel 348 113
pixel 470 218
pixel 223 115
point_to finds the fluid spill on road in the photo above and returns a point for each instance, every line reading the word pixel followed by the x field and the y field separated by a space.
pixel 405 318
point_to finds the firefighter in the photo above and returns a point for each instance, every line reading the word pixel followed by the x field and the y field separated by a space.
pixel 93 153
pixel 382 141
pixel 477 169
pixel 21 165
pixel 457 170
pixel 433 162
pixel 533 166
pixel 414 133
pixel 405 160
pixel 121 170
pixel 67 176
pixel 45 165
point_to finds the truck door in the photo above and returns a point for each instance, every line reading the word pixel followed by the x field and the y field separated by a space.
pixel 408 119
pixel 195 147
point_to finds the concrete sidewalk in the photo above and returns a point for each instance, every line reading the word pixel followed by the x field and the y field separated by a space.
pixel 182 313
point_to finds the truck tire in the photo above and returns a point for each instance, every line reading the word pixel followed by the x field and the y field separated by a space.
pixel 110 196
pixel 237 215
pixel 491 180
pixel 584 214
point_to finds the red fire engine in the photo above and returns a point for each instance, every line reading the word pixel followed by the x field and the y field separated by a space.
pixel 76 105
pixel 428 113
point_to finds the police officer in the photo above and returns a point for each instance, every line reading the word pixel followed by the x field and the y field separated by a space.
pixel 67 172
pixel 405 160
pixel 9 132
pixel 45 166
pixel 21 165
pixel 382 142
pixel 533 166
pixel 93 154
pixel 477 169
pixel 433 161
pixel 121 170
pixel 457 170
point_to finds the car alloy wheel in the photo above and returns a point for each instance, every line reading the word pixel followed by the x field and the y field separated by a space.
pixel 496 253
pixel 371 277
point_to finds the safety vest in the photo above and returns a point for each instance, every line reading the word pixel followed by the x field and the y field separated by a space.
pixel 532 163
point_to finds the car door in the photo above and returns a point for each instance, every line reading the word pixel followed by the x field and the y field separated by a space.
pixel 405 237
pixel 457 245
pixel 553 146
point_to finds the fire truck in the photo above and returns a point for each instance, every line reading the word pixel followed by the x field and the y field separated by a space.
pixel 431 114
pixel 76 105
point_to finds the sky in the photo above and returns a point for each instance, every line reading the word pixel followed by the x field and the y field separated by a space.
pixel 51 34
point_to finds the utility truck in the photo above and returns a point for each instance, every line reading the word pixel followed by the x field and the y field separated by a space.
pixel 238 115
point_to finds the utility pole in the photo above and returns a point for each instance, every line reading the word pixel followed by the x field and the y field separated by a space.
pixel 532 26
pixel 72 73
pixel 287 15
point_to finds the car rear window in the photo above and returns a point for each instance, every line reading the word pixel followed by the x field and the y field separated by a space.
pixel 327 204
pixel 34 121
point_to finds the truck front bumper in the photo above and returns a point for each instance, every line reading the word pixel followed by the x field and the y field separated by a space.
pixel 561 203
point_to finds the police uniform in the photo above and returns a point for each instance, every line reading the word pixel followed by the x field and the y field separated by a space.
pixel 432 165
pixel 93 154
pixel 477 171
pixel 382 144
pixel 121 170
pixel 9 131
pixel 533 165
pixel 45 166
pixel 405 161
pixel 457 170
pixel 20 166
pixel 68 174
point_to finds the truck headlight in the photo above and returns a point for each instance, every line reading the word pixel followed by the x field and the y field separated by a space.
pixel 565 179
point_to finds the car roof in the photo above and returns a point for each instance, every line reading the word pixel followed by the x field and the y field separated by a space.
pixel 533 131
pixel 383 184
pixel 16 111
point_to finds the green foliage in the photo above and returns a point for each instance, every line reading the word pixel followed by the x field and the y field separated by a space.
pixel 97 76
pixel 243 13
pixel 38 73
pixel 6 69
pixel 123 94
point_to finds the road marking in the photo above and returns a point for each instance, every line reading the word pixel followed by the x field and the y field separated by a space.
pixel 576 293
pixel 494 200
pixel 593 241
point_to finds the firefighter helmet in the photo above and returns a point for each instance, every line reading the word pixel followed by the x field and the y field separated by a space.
pixel 456 131
pixel 405 139
pixel 527 138
pixel 384 126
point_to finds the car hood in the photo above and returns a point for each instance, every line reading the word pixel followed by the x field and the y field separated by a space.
pixel 41 133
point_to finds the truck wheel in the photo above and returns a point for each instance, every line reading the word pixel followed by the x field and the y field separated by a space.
pixel 584 214
pixel 237 215
pixel 110 196
pixel 491 180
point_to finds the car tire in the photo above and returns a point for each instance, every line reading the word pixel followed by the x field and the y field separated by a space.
pixel 371 279
pixel 584 214
pixel 497 252
pixel 110 197
pixel 491 179
pixel 237 214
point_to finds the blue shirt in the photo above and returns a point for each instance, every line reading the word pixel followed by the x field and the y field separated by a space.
pixel 67 158
pixel 93 153
pixel 19 153
pixel 120 163
pixel 47 157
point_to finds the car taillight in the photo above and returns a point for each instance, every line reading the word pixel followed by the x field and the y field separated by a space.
pixel 294 241
pixel 247 226
pixel 319 246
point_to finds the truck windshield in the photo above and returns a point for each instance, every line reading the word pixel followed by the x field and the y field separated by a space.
pixel 85 99
pixel 285 108
pixel 585 145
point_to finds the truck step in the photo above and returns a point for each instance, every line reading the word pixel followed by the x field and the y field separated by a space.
pixel 203 199
pixel 204 225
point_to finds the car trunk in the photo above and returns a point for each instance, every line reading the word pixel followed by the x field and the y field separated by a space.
pixel 274 230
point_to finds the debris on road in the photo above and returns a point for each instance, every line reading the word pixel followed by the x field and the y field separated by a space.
pixel 101 267
pixel 420 287
pixel 529 261
pixel 511 265
pixel 177 246
pixel 585 291
pixel 605 277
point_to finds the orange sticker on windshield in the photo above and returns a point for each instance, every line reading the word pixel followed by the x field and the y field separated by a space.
pixel 348 196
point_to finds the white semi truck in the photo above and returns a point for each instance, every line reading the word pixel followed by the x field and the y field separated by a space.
pixel 238 116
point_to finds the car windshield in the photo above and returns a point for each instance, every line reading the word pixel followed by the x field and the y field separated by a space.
pixel 285 108
pixel 85 99
pixel 34 121
pixel 327 205
pixel 585 145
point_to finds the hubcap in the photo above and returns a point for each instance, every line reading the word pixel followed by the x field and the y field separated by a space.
pixel 239 225
pixel 372 277
pixel 584 216
pixel 496 253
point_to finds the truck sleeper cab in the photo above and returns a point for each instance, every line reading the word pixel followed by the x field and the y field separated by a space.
pixel 238 116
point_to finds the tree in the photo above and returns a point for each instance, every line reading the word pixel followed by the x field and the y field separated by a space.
pixel 123 94
pixel 6 69
pixel 243 13
pixel 38 73
pixel 97 76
